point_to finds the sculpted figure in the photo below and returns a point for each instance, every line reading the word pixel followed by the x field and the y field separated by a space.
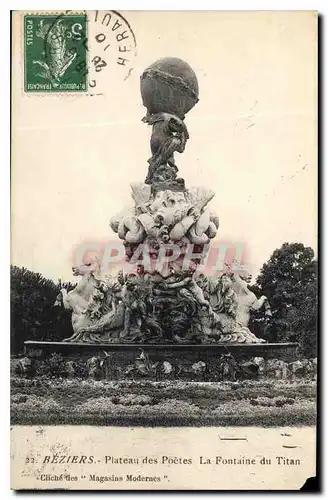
pixel 128 228
pixel 167 215
pixel 221 295
pixel 174 304
pixel 77 300
pixel 183 212
pixel 94 303
pixel 138 318
pixel 220 317
pixel 106 312
pixel 185 285
pixel 222 321
pixel 247 300
pixel 169 134
pixel 205 228
pixel 206 223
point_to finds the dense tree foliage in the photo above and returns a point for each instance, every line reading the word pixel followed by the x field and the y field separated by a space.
pixel 33 315
pixel 289 280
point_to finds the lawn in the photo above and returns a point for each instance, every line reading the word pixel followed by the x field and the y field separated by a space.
pixel 265 403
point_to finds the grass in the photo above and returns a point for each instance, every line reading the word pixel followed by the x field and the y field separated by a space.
pixel 265 403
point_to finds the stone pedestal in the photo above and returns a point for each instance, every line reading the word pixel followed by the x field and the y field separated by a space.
pixel 286 351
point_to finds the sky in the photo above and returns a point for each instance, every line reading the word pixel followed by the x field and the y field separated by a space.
pixel 253 135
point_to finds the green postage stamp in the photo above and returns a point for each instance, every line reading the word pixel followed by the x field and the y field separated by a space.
pixel 55 53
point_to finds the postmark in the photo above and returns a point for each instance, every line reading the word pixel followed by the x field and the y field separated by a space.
pixel 113 42
pixel 80 53
pixel 54 50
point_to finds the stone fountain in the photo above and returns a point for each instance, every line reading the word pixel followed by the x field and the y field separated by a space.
pixel 163 303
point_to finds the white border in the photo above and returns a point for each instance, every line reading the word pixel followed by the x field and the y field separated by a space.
pixel 319 5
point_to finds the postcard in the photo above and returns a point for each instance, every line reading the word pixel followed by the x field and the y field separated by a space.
pixel 164 250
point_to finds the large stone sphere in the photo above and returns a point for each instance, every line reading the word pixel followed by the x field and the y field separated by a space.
pixel 169 85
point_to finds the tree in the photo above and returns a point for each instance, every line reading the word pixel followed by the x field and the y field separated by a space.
pixel 33 316
pixel 303 320
pixel 289 280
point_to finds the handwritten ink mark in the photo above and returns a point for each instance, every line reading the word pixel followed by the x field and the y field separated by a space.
pixel 232 438
pixel 129 73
